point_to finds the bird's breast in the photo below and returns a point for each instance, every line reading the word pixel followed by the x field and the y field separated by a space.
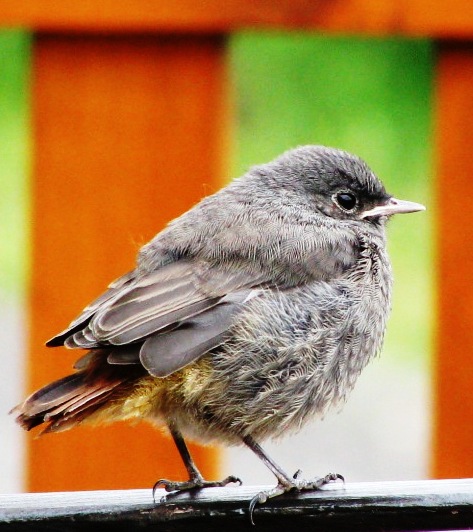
pixel 291 354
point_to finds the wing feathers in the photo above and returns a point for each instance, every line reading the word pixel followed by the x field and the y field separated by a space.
pixel 140 329
pixel 163 354
pixel 161 296
pixel 150 303
pixel 168 318
pixel 114 290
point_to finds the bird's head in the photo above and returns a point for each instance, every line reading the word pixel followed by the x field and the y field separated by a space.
pixel 340 185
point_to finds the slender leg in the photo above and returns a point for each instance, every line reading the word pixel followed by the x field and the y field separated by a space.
pixel 279 473
pixel 285 482
pixel 196 480
pixel 194 473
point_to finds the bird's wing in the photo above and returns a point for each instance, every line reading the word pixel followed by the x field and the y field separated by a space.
pixel 115 289
pixel 165 353
pixel 175 314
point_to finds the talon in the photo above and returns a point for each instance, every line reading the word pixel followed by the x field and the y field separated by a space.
pixel 260 498
pixel 168 485
pixel 233 479
pixel 332 477
pixel 156 484
pixel 162 481
pixel 253 503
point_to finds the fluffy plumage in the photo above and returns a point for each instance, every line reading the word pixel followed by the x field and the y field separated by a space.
pixel 251 312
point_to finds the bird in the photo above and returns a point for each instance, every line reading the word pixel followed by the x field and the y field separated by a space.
pixel 248 315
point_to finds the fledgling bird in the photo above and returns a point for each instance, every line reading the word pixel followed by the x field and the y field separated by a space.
pixel 247 315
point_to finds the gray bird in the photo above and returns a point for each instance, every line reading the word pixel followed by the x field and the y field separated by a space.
pixel 246 316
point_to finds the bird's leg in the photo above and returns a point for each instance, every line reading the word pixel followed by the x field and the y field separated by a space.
pixel 196 480
pixel 285 482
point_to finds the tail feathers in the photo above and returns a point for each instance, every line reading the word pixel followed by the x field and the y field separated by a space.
pixel 68 401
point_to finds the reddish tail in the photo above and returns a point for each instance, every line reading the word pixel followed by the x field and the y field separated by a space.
pixel 69 401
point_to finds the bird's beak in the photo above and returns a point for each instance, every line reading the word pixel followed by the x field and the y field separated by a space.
pixel 393 206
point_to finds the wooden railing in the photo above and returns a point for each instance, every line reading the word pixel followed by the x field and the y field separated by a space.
pixel 370 506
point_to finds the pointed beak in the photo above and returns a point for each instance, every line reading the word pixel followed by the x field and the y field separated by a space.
pixel 393 206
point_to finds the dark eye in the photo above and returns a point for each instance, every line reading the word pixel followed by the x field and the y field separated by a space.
pixel 346 200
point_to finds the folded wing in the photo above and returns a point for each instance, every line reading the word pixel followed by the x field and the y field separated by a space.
pixel 164 319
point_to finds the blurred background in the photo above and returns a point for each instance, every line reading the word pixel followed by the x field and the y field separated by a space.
pixel 106 137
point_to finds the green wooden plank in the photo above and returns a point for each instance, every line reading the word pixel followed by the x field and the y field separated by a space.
pixel 14 160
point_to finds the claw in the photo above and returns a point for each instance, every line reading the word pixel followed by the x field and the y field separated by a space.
pixel 231 479
pixel 168 485
pixel 259 498
pixel 161 482
pixel 251 509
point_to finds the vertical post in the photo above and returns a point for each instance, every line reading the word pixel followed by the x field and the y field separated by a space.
pixel 127 135
pixel 453 432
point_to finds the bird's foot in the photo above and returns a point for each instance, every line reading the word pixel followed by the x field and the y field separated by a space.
pixel 193 483
pixel 295 484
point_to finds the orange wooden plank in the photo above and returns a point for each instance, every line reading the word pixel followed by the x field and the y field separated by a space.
pixel 435 18
pixel 127 135
pixel 438 19
pixel 453 433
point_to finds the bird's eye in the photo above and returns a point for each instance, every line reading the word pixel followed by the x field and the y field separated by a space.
pixel 346 200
